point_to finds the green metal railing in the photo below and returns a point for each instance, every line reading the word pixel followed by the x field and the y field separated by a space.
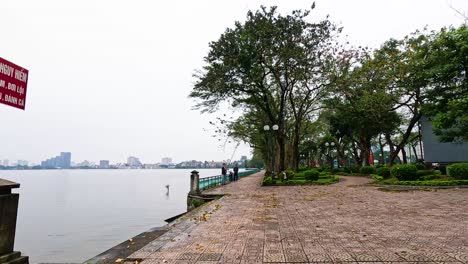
pixel 213 181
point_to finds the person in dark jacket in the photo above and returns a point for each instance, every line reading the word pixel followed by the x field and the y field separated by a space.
pixel 236 173
pixel 224 172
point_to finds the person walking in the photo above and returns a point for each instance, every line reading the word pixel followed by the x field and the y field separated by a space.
pixel 223 173
pixel 236 173
pixel 231 176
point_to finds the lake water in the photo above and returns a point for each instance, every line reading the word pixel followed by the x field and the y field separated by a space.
pixel 73 215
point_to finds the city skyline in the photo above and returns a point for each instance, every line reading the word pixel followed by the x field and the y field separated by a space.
pixel 131 160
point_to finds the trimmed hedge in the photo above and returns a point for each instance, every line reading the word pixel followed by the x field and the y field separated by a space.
pixel 384 172
pixel 351 169
pixel 337 170
pixel 301 181
pixel 368 170
pixel 430 177
pixel 290 174
pixel 311 175
pixel 405 172
pixel 458 171
pixel 425 183
pixel 420 166
pixel 425 172
pixel 377 177
pixel 443 169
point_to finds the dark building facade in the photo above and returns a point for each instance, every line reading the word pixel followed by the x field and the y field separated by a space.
pixel 438 152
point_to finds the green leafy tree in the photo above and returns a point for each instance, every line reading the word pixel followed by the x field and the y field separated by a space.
pixel 260 64
pixel 361 107
pixel 444 61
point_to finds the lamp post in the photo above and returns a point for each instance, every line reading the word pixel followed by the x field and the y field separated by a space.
pixel 271 147
pixel 331 145
pixel 346 156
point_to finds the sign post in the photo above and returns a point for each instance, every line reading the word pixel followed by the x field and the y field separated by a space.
pixel 13 84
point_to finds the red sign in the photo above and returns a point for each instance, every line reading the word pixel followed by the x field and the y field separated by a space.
pixel 13 84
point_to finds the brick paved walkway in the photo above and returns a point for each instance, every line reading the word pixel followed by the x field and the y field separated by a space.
pixel 344 222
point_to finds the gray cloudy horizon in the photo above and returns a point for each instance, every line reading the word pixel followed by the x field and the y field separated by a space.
pixel 110 79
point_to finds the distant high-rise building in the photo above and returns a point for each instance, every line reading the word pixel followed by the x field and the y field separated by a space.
pixel 22 163
pixel 65 160
pixel 104 164
pixel 166 161
pixel 133 162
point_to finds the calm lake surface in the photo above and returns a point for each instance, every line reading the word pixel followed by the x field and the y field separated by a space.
pixel 73 215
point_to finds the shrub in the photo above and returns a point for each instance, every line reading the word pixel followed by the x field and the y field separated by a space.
pixel 289 174
pixel 404 172
pixel 425 173
pixel 384 172
pixel 458 171
pixel 443 169
pixel 320 169
pixel 420 166
pixel 351 169
pixel 311 175
pixel 377 177
pixel 367 170
pixel 337 170
pixel 267 180
pixel 301 169
pixel 429 177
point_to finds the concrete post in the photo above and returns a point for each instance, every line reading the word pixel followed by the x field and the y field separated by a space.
pixel 194 183
pixel 8 215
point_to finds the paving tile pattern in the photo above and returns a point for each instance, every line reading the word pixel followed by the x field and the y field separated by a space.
pixel 341 223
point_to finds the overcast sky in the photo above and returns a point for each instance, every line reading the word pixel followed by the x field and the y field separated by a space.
pixel 109 79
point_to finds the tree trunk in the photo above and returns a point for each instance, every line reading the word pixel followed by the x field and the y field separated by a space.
pixel 356 155
pixel 295 147
pixel 282 152
pixel 365 149
pixel 406 135
pixel 415 154
pixel 391 158
pixel 403 154
pixel 382 155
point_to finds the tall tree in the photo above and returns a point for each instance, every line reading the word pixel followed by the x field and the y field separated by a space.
pixel 444 61
pixel 259 64
pixel 361 108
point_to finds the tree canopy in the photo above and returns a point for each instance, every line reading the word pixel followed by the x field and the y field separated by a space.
pixel 287 71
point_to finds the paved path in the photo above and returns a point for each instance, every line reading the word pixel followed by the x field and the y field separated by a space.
pixel 344 222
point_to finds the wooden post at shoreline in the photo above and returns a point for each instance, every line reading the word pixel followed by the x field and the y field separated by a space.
pixel 8 215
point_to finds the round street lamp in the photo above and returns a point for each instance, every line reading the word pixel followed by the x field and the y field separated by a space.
pixel 271 149
pixel 331 145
